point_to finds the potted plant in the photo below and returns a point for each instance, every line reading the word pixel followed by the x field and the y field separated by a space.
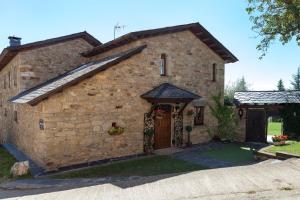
pixel 279 140
pixel 149 133
pixel 189 129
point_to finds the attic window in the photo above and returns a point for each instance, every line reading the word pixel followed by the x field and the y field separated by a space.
pixel 214 72
pixel 163 63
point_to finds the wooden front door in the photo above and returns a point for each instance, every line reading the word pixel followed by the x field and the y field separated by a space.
pixel 256 125
pixel 162 126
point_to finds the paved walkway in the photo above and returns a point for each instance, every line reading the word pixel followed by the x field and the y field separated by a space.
pixel 193 155
pixel 266 180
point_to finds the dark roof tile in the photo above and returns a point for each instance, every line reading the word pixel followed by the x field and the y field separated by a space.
pixel 266 97
pixel 168 92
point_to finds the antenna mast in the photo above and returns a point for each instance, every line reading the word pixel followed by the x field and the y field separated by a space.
pixel 117 27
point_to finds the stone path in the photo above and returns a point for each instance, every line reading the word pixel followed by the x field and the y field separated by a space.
pixel 34 169
pixel 196 158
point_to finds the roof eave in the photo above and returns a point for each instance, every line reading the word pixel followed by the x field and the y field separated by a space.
pixel 196 28
pixel 10 52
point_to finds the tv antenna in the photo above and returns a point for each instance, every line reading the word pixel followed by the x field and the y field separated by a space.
pixel 116 28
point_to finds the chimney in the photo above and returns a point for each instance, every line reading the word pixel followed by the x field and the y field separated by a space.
pixel 14 41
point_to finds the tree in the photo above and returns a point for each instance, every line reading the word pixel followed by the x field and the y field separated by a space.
pixel 239 85
pixel 280 85
pixel 275 19
pixel 242 85
pixel 296 80
pixel 227 120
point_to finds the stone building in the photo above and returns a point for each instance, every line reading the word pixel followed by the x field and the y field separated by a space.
pixel 72 100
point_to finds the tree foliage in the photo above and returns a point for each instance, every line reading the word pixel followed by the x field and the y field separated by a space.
pixel 290 115
pixel 275 19
pixel 280 85
pixel 240 85
pixel 227 120
pixel 296 80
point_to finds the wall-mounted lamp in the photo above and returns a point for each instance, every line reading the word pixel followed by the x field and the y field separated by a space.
pixel 241 113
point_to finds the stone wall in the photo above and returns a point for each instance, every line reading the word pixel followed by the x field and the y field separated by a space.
pixel 241 136
pixel 20 123
pixel 9 86
pixel 77 119
pixel 41 64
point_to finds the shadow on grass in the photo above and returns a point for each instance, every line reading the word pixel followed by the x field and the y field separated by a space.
pixel 150 167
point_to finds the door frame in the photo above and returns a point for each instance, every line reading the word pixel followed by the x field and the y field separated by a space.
pixel 168 109
pixel 247 125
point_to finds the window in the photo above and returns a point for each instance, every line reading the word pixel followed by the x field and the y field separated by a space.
pixel 16 116
pixel 163 63
pixel 15 76
pixel 4 82
pixel 9 79
pixel 214 72
pixel 199 117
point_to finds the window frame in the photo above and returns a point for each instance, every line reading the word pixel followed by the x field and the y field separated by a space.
pixel 15 77
pixel 214 72
pixel 16 116
pixel 9 79
pixel 163 65
pixel 199 111
pixel 4 81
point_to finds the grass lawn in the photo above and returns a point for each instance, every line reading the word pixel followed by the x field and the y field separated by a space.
pixel 154 165
pixel 6 162
pixel 291 147
pixel 235 153
pixel 274 128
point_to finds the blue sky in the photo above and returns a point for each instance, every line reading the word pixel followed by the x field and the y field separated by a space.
pixel 35 20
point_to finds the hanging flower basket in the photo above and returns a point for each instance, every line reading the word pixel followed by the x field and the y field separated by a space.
pixel 159 113
pixel 116 131
pixel 190 112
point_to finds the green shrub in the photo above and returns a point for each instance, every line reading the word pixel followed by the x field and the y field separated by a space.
pixel 291 120
pixel 227 120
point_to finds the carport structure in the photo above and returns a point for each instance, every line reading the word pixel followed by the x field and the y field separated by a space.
pixel 258 106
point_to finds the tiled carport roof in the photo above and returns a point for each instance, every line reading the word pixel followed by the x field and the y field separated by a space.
pixel 167 92
pixel 44 90
pixel 267 97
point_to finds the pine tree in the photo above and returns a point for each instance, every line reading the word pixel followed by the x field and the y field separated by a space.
pixel 296 80
pixel 242 85
pixel 280 85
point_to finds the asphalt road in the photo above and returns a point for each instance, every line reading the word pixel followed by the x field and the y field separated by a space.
pixel 268 180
